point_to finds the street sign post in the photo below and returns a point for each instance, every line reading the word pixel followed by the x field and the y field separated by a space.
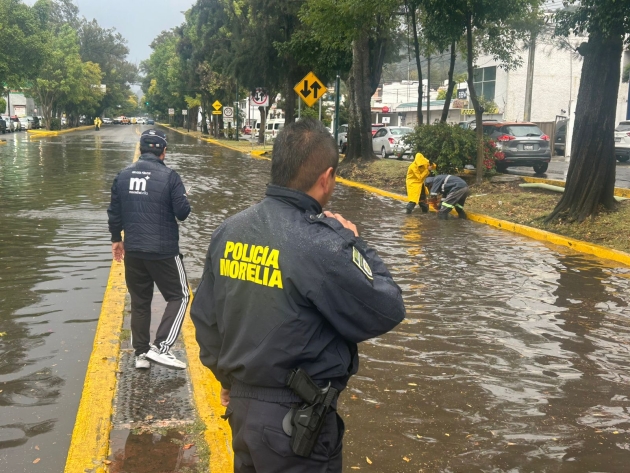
pixel 184 112
pixel 217 105
pixel 217 112
pixel 310 89
pixel 171 111
pixel 385 120
pixel 228 112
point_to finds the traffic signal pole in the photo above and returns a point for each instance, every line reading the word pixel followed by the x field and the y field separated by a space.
pixel 337 87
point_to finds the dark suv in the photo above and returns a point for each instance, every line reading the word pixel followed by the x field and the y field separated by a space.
pixel 522 144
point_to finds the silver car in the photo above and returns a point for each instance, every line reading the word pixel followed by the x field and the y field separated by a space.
pixel 622 142
pixel 389 141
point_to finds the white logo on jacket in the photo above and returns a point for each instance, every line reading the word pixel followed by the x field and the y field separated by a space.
pixel 138 185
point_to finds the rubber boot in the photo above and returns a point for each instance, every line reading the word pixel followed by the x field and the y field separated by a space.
pixel 461 213
pixel 409 208
pixel 443 214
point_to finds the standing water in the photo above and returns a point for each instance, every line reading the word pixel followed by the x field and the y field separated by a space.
pixel 513 356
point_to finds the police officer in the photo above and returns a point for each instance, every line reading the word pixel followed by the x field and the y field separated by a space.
pixel 147 200
pixel 286 286
pixel 454 191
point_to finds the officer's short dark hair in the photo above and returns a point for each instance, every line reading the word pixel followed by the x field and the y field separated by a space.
pixel 301 153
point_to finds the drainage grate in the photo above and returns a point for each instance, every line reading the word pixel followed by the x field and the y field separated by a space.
pixel 157 395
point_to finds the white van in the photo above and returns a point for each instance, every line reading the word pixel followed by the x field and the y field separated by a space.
pixel 273 127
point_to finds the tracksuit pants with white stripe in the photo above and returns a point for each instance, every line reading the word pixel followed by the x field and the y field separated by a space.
pixel 170 277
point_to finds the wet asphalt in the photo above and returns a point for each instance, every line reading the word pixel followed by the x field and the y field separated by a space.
pixel 513 357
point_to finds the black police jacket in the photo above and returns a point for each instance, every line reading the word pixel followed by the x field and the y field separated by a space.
pixel 286 287
pixel 445 184
pixel 146 199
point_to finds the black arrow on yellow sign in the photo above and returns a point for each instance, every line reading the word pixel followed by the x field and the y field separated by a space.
pixel 306 90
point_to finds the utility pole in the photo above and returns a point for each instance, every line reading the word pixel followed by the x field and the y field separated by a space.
pixel 337 91
pixel 429 91
pixel 529 86
pixel 236 110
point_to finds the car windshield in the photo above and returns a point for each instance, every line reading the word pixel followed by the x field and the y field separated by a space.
pixel 400 131
pixel 376 128
pixel 623 127
pixel 521 131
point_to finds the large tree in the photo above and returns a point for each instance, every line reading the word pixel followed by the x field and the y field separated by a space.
pixel 591 177
pixel 367 27
pixel 22 50
pixel 490 26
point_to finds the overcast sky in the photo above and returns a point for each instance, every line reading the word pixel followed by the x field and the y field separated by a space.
pixel 139 21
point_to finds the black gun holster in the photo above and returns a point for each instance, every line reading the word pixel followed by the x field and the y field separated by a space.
pixel 307 421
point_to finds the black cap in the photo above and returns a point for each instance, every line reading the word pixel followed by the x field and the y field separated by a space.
pixel 153 139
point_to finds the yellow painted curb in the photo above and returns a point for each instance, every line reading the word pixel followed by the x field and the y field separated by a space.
pixel 578 245
pixel 89 445
pixel 619 191
pixel 43 133
pixel 375 190
pixel 3 142
pixel 206 391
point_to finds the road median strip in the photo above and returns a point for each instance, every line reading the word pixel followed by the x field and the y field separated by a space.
pixel 619 191
pixel 45 133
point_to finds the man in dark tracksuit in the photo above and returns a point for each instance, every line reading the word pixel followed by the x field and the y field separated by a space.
pixel 147 198
pixel 286 286
pixel 454 191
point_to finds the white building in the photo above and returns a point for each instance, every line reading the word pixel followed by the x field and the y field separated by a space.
pixel 556 84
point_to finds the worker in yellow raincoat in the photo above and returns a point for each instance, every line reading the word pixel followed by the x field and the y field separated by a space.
pixel 97 123
pixel 416 175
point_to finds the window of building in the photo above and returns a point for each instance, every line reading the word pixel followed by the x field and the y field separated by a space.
pixel 485 80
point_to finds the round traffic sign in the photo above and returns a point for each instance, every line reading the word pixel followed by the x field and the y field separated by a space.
pixel 260 98
pixel 228 112
pixel 385 109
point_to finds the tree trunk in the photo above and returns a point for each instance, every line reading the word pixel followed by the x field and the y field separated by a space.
pixel 451 83
pixel 360 122
pixel 416 46
pixel 204 122
pixel 289 101
pixel 591 177
pixel 263 123
pixel 529 85
pixel 473 98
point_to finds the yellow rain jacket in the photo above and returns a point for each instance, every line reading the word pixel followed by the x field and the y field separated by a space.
pixel 416 174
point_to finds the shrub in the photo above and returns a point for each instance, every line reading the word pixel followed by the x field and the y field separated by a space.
pixel 450 147
pixel 55 124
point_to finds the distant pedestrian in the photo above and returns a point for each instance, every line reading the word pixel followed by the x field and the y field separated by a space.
pixel 453 190
pixel 417 172
pixel 287 293
pixel 97 123
pixel 147 200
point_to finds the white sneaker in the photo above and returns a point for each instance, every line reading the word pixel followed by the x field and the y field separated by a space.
pixel 166 359
pixel 142 362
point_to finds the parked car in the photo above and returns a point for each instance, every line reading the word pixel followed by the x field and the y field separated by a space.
pixel 342 138
pixel 246 130
pixel 24 123
pixel 34 123
pixel 622 142
pixel 388 141
pixel 8 125
pixel 376 127
pixel 150 121
pixel 107 121
pixel 3 126
pixel 560 140
pixel 522 144
pixel 16 121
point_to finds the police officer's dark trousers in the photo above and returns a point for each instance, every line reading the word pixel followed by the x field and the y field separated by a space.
pixel 261 446
pixel 170 277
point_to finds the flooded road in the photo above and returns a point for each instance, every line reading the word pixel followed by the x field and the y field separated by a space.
pixel 514 356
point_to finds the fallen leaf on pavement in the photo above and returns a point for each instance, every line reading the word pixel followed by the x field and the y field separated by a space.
pixel 188 445
pixel 107 462
pixel 412 384
pixel 407 459
pixel 367 459
pixel 36 447
pixel 448 435
pixel 355 467
pixel 36 460
pixel 353 397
